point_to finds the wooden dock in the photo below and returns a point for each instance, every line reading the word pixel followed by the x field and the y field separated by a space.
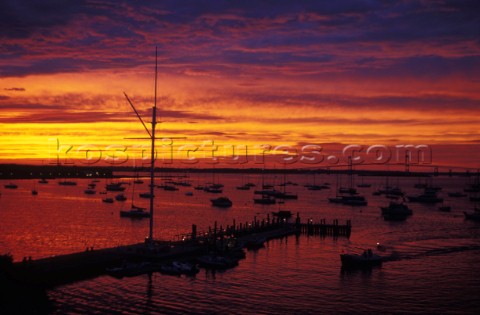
pixel 63 269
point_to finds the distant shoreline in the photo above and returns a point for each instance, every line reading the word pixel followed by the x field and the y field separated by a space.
pixel 25 171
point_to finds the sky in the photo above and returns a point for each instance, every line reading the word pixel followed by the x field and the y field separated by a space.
pixel 238 74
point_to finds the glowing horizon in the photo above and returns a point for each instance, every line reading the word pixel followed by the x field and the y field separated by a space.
pixel 241 74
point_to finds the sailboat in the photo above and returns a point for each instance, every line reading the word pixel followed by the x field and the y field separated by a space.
pixel 266 198
pixel 149 240
pixel 135 211
pixel 348 195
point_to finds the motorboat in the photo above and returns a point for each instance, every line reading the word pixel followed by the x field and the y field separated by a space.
pixel 221 202
pixel 366 260
pixel 11 186
pixel 396 208
pixel 90 191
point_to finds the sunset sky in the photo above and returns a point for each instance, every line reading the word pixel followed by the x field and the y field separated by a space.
pixel 240 73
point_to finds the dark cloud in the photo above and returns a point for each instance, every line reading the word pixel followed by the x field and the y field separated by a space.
pixel 21 18
pixel 235 36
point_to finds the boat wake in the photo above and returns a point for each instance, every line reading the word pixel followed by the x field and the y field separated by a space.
pixel 396 255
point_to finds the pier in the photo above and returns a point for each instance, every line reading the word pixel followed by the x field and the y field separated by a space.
pixel 63 269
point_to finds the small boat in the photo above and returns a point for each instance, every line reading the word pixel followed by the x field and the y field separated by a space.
pixel 199 187
pixel 255 243
pixel 243 187
pixel 347 190
pixel 108 200
pixel 11 186
pixel 169 188
pixel 114 187
pixel 285 195
pixel 429 196
pixel 396 208
pixel 396 212
pixel 445 208
pixel 474 216
pixel 189 193
pixel 34 192
pixel 366 260
pixel 138 181
pixel 90 191
pixel 364 185
pixel 390 191
pixel 131 269
pixel 350 200
pixel 457 194
pixel 222 202
pixel 135 212
pixel 67 183
pixel 43 181
pixel 120 197
pixel 282 214
pixel 217 262
pixel 265 200
pixel 212 189
pixel 177 268
pixel 145 195
pixel 473 188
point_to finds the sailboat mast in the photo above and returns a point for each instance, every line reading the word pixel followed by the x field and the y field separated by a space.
pixel 152 155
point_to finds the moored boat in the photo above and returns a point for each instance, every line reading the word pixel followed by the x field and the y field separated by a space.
pixel 350 200
pixel 114 187
pixel 222 202
pixel 67 183
pixel 265 200
pixel 474 216
pixel 429 196
pixel 120 197
pixel 135 212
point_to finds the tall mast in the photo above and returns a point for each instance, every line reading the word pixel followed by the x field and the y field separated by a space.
pixel 152 156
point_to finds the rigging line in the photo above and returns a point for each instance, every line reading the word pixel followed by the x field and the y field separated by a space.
pixel 138 115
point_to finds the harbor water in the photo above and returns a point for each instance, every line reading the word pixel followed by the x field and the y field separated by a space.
pixel 432 265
